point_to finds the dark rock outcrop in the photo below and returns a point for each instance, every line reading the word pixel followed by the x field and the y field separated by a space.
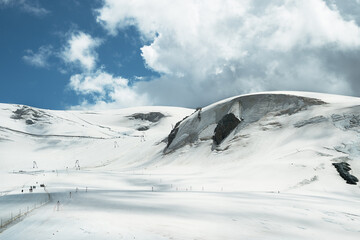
pixel 343 169
pixel 24 112
pixel 198 110
pixel 143 128
pixel 228 123
pixel 29 122
pixel 151 116
pixel 173 132
pixel 30 115
pixel 172 135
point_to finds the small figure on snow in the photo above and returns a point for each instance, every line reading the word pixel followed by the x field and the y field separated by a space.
pixel 142 137
pixel 77 165
pixel 58 206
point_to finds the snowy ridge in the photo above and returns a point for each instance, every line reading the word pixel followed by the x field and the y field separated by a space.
pixel 272 173
pixel 249 108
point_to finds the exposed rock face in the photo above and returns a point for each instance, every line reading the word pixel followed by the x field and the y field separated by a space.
pixel 349 120
pixel 30 115
pixel 151 116
pixel 29 122
pixel 228 123
pixel 343 169
pixel 172 135
pixel 173 132
pixel 143 128
pixel 24 112
pixel 314 120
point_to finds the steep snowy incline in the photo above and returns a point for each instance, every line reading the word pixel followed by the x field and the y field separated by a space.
pixel 272 142
pixel 247 109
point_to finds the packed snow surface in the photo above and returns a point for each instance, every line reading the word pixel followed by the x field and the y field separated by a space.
pixel 157 173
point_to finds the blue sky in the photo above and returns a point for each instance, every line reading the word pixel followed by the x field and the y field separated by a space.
pixel 98 54
pixel 47 86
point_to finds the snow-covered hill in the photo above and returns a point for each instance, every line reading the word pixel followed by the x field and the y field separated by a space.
pixel 256 166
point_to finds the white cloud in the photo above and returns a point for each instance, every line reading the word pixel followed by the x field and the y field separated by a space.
pixel 105 91
pixel 39 58
pixel 80 50
pixel 208 50
pixel 32 7
pixel 308 24
pixel 98 88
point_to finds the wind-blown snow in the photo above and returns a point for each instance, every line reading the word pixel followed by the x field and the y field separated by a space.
pixel 271 178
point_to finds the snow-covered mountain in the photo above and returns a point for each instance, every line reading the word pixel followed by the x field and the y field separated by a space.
pixel 276 165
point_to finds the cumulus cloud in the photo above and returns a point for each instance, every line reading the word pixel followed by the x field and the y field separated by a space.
pixel 97 88
pixel 209 50
pixel 32 7
pixel 39 58
pixel 105 91
pixel 349 9
pixel 80 51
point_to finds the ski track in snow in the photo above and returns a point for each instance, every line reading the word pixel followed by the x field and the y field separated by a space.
pixel 51 135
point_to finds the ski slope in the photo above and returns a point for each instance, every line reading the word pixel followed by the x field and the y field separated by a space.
pixel 271 177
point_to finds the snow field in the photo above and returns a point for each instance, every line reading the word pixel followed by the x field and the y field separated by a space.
pixel 269 179
pixel 128 209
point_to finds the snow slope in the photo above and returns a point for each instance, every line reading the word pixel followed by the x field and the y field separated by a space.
pixel 272 177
